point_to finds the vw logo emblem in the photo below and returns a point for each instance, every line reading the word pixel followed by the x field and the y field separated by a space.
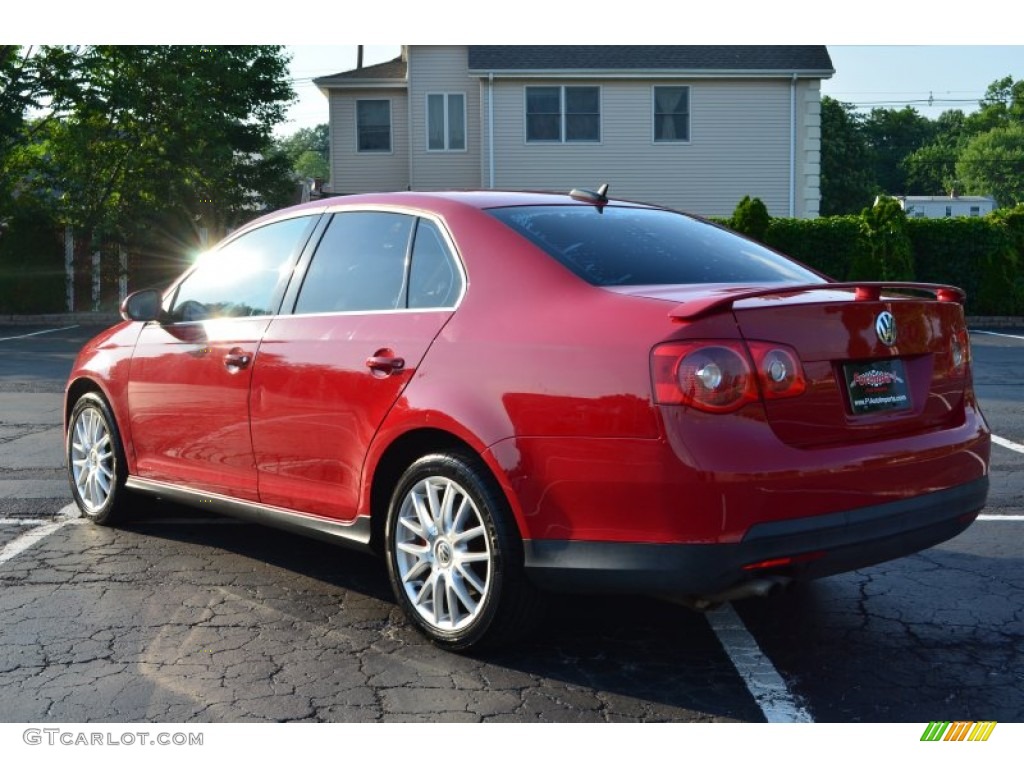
pixel 885 327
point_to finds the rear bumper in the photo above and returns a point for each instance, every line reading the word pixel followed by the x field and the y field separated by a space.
pixel 821 545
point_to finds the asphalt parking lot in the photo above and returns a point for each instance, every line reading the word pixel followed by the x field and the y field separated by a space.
pixel 186 617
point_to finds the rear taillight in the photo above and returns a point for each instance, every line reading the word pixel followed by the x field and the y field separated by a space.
pixel 723 376
pixel 960 351
pixel 779 373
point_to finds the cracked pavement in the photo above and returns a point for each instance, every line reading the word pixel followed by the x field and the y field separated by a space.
pixel 182 616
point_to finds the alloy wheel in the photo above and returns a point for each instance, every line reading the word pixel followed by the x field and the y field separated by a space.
pixel 443 553
pixel 92 459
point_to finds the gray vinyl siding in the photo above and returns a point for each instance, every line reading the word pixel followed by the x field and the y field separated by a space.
pixel 739 145
pixel 354 171
pixel 443 69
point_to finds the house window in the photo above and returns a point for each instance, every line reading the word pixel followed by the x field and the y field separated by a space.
pixel 975 210
pixel 949 211
pixel 565 113
pixel 672 113
pixel 373 125
pixel 446 122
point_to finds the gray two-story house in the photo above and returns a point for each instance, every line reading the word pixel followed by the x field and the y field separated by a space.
pixel 689 127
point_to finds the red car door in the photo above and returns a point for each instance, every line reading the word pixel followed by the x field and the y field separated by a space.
pixel 188 394
pixel 378 290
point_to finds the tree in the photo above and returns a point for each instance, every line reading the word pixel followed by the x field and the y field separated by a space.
pixel 1002 104
pixel 40 81
pixel 308 150
pixel 159 129
pixel 847 185
pixel 751 218
pixel 931 169
pixel 889 255
pixel 892 135
pixel 992 163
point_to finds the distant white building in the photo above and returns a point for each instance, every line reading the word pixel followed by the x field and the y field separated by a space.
pixel 941 207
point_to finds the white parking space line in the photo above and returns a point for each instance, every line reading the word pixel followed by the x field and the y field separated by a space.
pixel 27 539
pixel 758 673
pixel 1012 518
pixel 22 521
pixel 1008 444
pixel 1003 335
pixel 38 333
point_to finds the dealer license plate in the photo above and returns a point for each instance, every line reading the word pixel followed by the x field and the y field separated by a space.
pixel 880 385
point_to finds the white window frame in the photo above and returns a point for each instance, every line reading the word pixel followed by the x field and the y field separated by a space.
pixel 562 114
pixel 447 128
pixel 391 129
pixel 654 114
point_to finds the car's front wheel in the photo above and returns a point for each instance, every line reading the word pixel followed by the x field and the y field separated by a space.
pixel 95 459
pixel 454 555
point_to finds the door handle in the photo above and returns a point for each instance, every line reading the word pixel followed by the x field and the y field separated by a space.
pixel 385 362
pixel 236 360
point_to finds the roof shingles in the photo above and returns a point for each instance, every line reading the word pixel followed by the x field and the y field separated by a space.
pixel 650 57
pixel 555 58
pixel 388 70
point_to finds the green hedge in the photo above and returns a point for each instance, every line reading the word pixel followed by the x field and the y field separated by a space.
pixel 976 254
pixel 984 256
pixel 829 245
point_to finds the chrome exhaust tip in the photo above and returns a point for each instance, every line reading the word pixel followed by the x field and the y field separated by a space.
pixel 761 587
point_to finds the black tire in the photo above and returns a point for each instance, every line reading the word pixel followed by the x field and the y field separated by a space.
pixel 459 578
pixel 95 459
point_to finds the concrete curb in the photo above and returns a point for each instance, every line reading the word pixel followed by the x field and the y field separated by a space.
pixel 63 319
pixel 995 322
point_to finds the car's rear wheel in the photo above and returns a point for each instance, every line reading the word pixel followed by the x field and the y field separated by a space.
pixel 95 459
pixel 454 555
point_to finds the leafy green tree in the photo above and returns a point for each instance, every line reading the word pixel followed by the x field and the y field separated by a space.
pixel 992 163
pixel 847 184
pixel 751 218
pixel 931 170
pixel 308 150
pixel 1002 104
pixel 889 255
pixel 36 81
pixel 158 129
pixel 892 135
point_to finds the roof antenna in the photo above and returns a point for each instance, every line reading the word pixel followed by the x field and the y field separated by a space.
pixel 599 198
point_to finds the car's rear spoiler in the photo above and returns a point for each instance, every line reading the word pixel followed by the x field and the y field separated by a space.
pixel 724 298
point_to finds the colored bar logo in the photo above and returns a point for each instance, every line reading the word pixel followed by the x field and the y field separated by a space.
pixel 961 730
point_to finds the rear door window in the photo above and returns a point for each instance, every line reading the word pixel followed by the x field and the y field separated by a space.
pixel 359 265
pixel 434 277
pixel 619 245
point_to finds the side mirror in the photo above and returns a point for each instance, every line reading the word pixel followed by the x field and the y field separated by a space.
pixel 142 306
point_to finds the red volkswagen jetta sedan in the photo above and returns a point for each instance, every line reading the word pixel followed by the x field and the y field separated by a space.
pixel 506 392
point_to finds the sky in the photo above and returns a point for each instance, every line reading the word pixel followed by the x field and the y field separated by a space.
pixel 949 76
pixel 885 54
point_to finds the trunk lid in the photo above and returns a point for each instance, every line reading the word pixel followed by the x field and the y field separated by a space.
pixel 859 387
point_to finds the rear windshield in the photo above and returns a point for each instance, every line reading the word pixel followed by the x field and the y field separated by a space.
pixel 642 246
